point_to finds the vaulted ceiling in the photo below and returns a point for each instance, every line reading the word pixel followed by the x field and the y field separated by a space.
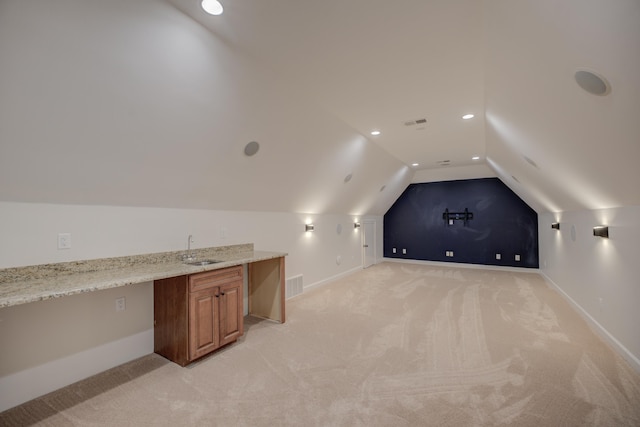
pixel 151 102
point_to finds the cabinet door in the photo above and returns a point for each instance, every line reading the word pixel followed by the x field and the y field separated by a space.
pixel 204 328
pixel 231 321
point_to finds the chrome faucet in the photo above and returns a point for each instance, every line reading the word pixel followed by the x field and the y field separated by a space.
pixel 189 256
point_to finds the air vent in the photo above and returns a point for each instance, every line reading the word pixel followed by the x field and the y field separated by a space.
pixel 293 286
pixel 415 122
pixel 444 162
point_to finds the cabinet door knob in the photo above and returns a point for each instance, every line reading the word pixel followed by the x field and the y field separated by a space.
pixel 222 293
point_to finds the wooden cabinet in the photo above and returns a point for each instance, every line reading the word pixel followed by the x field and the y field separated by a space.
pixel 197 314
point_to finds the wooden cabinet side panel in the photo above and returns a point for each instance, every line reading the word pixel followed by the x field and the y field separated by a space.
pixel 231 319
pixel 170 307
pixel 283 292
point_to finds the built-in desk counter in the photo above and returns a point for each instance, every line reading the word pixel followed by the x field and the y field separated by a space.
pixel 22 285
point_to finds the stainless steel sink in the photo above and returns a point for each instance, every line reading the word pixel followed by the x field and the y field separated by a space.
pixel 203 262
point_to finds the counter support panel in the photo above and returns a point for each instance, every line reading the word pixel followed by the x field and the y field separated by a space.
pixel 266 289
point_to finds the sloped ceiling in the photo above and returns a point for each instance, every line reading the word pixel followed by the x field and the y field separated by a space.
pixel 151 102
pixel 375 65
pixel 568 149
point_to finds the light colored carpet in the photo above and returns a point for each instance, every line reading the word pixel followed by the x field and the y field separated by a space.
pixel 393 345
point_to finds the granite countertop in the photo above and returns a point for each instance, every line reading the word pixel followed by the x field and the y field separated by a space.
pixel 22 285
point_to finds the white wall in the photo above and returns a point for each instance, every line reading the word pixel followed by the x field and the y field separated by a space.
pixel 49 344
pixel 601 276
pixel 450 173
pixel 133 103
pixel 56 342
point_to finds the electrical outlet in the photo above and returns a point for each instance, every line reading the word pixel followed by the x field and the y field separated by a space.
pixel 404 251
pixel 498 256
pixel 120 304
pixel 64 241
pixel 517 257
pixel 394 250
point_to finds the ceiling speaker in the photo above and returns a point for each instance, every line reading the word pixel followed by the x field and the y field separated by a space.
pixel 592 82
pixel 251 148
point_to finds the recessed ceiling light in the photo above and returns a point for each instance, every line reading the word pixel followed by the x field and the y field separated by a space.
pixel 475 158
pixel 212 7
pixel 375 132
pixel 468 116
pixel 415 164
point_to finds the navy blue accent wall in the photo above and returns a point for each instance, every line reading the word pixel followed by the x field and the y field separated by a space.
pixel 502 224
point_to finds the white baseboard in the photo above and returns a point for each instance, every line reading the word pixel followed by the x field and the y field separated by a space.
pixel 463 265
pixel 31 383
pixel 597 327
pixel 332 278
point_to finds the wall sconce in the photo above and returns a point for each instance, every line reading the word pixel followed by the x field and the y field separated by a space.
pixel 555 226
pixel 308 227
pixel 356 225
pixel 601 231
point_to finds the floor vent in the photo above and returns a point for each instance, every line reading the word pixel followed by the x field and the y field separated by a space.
pixel 293 286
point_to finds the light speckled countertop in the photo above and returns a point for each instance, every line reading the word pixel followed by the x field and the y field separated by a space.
pixel 21 285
